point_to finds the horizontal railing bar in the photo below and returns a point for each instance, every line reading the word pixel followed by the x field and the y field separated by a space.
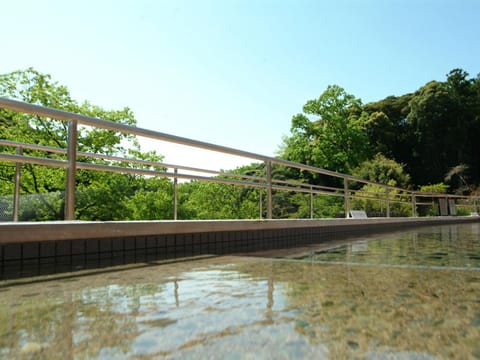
pixel 305 188
pixel 306 185
pixel 382 193
pixel 242 176
pixel 257 181
pixel 50 149
pixel 120 159
pixel 391 201
pixel 436 195
pixel 33 160
pixel 111 168
pixel 119 169
pixel 380 196
pixel 109 125
pixel 151 163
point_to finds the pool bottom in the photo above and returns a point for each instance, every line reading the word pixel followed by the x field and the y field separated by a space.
pixel 243 307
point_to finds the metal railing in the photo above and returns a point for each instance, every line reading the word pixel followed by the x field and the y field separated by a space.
pixel 266 181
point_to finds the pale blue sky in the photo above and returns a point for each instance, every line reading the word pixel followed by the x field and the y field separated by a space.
pixel 234 72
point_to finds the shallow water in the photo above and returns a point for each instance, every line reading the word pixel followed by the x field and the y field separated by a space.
pixel 442 246
pixel 401 299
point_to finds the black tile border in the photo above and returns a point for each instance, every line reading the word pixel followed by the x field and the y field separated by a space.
pixel 29 259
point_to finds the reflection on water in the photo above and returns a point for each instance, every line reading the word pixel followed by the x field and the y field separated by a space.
pixel 237 308
pixel 445 246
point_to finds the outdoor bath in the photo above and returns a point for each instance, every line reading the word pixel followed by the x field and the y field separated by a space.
pixel 411 294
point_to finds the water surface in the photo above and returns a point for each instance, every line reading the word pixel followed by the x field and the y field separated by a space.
pixel 442 246
pixel 411 295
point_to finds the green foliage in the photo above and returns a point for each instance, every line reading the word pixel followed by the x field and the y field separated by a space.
pixel 383 171
pixel 286 204
pixel 432 210
pixel 153 201
pixel 425 137
pixel 42 207
pixel 212 200
pixel 373 199
pixel 103 197
pixel 440 188
pixel 335 139
pixel 327 206
pixel 445 116
pixel 388 129
pixel 461 211
pixel 100 196
pixel 324 206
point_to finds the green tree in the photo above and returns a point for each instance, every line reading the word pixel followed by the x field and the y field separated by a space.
pixel 445 116
pixel 373 199
pixel 212 200
pixel 431 130
pixel 99 195
pixel 389 131
pixel 431 210
pixel 330 133
pixel 440 188
pixel 324 206
pixel 152 201
pixel 383 171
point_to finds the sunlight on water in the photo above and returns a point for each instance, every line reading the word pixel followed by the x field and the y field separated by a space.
pixel 251 308
pixel 445 246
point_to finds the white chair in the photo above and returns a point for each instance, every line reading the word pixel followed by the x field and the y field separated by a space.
pixel 358 214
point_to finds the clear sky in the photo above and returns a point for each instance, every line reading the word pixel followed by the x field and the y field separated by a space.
pixel 233 72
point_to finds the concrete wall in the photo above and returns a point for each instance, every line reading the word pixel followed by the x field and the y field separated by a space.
pixel 31 249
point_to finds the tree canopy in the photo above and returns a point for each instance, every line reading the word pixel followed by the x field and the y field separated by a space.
pixel 424 140
pixel 330 133
pixel 100 196
pixel 430 131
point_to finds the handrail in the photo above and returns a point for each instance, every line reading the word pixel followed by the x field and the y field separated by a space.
pixel 109 125
pixel 56 150
pixel 391 194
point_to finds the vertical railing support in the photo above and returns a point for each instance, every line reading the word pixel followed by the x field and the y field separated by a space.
pixel 414 205
pixel 311 202
pixel 269 190
pixel 346 195
pixel 175 194
pixel 71 170
pixel 387 201
pixel 260 202
pixel 16 194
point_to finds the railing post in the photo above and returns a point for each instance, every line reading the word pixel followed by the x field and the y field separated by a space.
pixel 346 195
pixel 269 189
pixel 311 202
pixel 71 170
pixel 260 202
pixel 175 194
pixel 16 194
pixel 387 201
pixel 414 205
